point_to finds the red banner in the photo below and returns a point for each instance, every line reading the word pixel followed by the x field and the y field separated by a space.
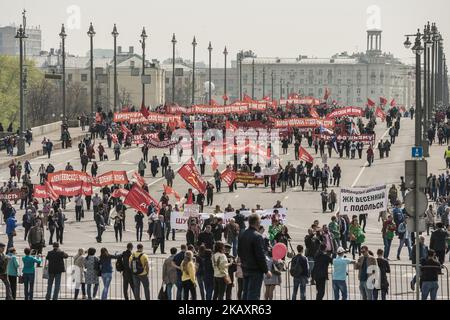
pixel 248 177
pixel 117 193
pixel 379 113
pixel 313 113
pixel 168 190
pixel 109 178
pixel 367 138
pixel 152 143
pixel 141 138
pixel 228 176
pixel 190 173
pixel 139 199
pixel 302 123
pixel 137 117
pixel 346 112
pixel 40 192
pixel 236 108
pixel 139 180
pixel 305 101
pixel 304 155
pixel 12 195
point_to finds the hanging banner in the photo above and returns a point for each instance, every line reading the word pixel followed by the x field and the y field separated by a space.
pixel 371 200
pixel 137 117
pixel 142 138
pixel 117 193
pixel 346 112
pixel 301 123
pixel 109 178
pixel 366 138
pixel 152 143
pixel 12 195
pixel 248 178
pixel 303 101
pixel 228 176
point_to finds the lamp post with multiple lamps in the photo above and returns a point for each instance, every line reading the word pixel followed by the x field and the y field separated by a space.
pixel 194 44
pixel 115 34
pixel 225 98
pixel 209 74
pixel 21 141
pixel 142 41
pixel 63 36
pixel 91 34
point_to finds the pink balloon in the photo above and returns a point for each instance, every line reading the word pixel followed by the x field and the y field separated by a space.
pixel 279 251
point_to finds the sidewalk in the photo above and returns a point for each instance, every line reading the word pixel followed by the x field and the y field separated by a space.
pixel 35 149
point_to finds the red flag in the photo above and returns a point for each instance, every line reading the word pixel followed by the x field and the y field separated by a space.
pixel 98 117
pixel 51 193
pixel 228 176
pixel 214 164
pixel 266 98
pixel 214 102
pixel 126 130
pixel 230 126
pixel 40 191
pixel 370 102
pixel 190 173
pixel 139 199
pixel 313 112
pixel 383 101
pixel 144 111
pixel 168 190
pixel 247 98
pixel 114 138
pixel 379 113
pixel 327 94
pixel 225 97
pixel 139 180
pixel 117 193
pixel 304 155
pixel 403 109
pixel 393 103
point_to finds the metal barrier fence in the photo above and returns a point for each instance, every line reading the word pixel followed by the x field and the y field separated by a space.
pixel 399 284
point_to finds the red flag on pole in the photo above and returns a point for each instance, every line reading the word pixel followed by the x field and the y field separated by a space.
pixel 126 130
pixel 247 98
pixel 379 113
pixel 139 199
pixel 214 164
pixel 144 111
pixel 139 180
pixel 168 190
pixel 51 193
pixel 313 112
pixel 304 155
pixel 117 193
pixel 228 176
pixel 393 103
pixel 225 97
pixel 190 173
pixel 370 103
pixel 383 101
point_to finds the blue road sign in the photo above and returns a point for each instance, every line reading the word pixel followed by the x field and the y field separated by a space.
pixel 417 152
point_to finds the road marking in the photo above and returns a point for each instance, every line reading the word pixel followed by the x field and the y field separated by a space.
pixel 236 196
pixel 287 197
pixel 293 226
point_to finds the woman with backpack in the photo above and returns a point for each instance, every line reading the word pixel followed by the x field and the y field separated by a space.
pixel 106 270
pixel 92 265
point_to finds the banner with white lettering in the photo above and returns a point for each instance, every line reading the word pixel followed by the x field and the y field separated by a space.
pixel 371 200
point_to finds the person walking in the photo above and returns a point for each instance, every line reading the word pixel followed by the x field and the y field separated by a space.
pixel 140 269
pixel 139 220
pixel 158 234
pixel 11 225
pixel 253 262
pixel 28 272
pixel 340 265
pixel 405 238
pixel 384 268
pixel 55 262
pixel 117 148
pixel 220 265
pixel 101 225
pixel 169 175
pixel 51 224
pixel 78 271
pixel 231 233
pixel 3 270
pixel 78 207
pixel 141 167
pixel 92 265
pixel 60 223
pixel 169 273
pixel 118 227
pixel 106 270
pixel 299 270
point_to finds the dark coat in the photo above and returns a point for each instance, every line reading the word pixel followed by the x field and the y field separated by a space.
pixel 158 229
pixel 251 252
pixel 55 260
pixel 321 263
pixel 438 240
pixel 207 239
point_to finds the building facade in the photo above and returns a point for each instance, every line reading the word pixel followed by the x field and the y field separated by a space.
pixel 9 45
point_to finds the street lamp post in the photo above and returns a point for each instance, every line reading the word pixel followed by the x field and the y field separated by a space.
pixel 143 38
pixel 240 57
pixel 63 36
pixel 253 79
pixel 91 34
pixel 194 44
pixel 264 82
pixel 418 50
pixel 225 53
pixel 271 92
pixel 209 73
pixel 174 42
pixel 21 141
pixel 115 35
pixel 281 88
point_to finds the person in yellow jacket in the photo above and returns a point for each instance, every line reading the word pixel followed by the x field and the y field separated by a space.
pixel 139 269
pixel 447 157
pixel 189 281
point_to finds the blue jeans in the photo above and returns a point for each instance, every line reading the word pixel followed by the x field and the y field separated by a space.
pixel 201 286
pixel 387 247
pixel 403 242
pixel 383 294
pixel 10 241
pixel 28 282
pixel 209 287
pixel 234 243
pixel 169 291
pixel 366 293
pixel 179 285
pixel 429 287
pixel 89 291
pixel 340 286
pixel 106 278
pixel 300 282
pixel 252 286
pixel 57 279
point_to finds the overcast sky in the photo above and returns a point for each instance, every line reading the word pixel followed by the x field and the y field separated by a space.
pixel 271 28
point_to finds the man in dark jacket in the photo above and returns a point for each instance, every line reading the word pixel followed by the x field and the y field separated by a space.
pixel 312 244
pixel 240 220
pixel 253 260
pixel 438 241
pixel 3 275
pixel 206 237
pixel 431 268
pixel 127 274
pixel 55 261
pixel 164 164
pixel 60 221
pixel 300 272
pixel 158 232
pixel 320 271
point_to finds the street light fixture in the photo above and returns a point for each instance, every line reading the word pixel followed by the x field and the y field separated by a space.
pixel 194 44
pixel 174 42
pixel 142 41
pixel 115 34
pixel 91 34
pixel 63 36
pixel 225 98
pixel 209 70
pixel 21 141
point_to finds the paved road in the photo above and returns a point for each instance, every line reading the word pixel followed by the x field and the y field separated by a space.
pixel 304 207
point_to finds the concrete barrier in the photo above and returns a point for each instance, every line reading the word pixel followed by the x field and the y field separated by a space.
pixel 46 129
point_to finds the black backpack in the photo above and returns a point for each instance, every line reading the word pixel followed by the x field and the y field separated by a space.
pixel 119 264
pixel 136 265
pixel 296 269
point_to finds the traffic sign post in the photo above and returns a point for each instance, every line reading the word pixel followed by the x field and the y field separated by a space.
pixel 417 152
